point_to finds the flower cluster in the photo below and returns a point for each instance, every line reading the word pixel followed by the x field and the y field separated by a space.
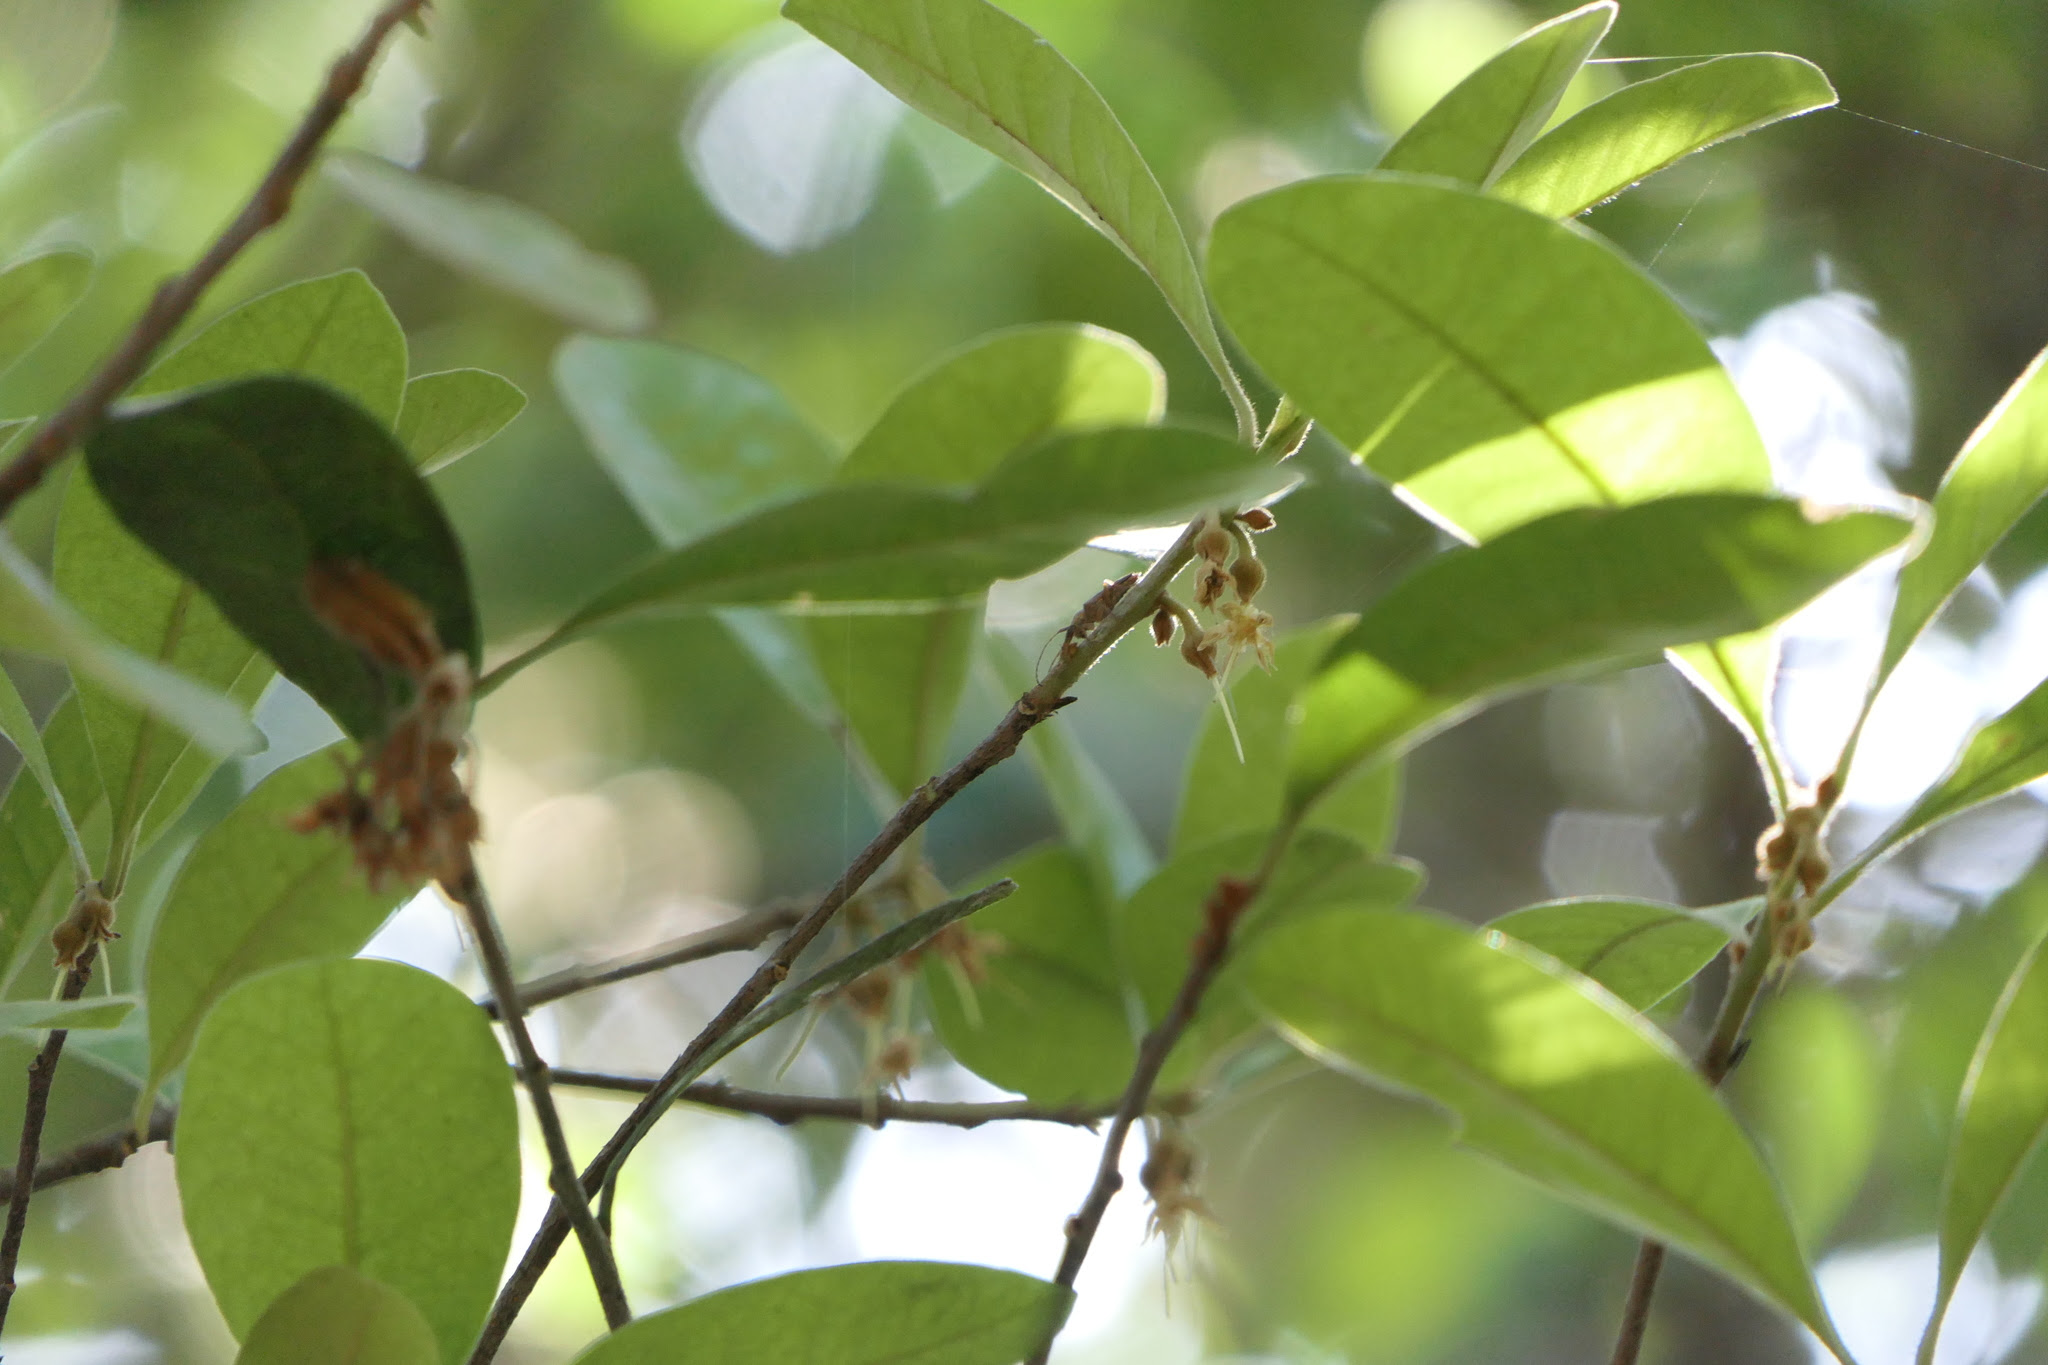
pixel 1228 576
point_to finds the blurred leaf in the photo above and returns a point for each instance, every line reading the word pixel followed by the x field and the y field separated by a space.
pixel 1224 794
pixel 106 1011
pixel 354 1113
pixel 335 328
pixel 243 486
pixel 253 895
pixel 1810 1089
pixel 1049 1021
pixel 1578 590
pixel 1520 366
pixel 1640 950
pixel 883 542
pixel 20 730
pixel 335 1316
pixel 1559 1082
pixel 1640 129
pixel 1484 123
pixel 870 1313
pixel 1737 674
pixel 141 602
pixel 897 679
pixel 503 244
pixel 34 619
pixel 35 294
pixel 49 50
pixel 36 876
pixel 2005 753
pixel 998 84
pixel 1092 813
pixel 450 413
pixel 2001 1118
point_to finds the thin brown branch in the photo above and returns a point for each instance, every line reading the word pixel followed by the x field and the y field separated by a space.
pixel 95 1154
pixel 497 965
pixel 41 1072
pixel 750 930
pixel 1635 1314
pixel 176 297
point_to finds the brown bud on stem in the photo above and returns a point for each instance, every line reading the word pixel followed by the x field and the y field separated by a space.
pixel 1162 625
pixel 1256 519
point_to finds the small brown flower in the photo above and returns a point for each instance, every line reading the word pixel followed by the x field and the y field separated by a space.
pixel 1242 628
pixel 90 921
pixel 1256 519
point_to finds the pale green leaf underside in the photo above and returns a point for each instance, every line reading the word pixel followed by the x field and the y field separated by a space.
pixel 1547 1074
pixel 451 412
pixel 36 876
pixel 335 1316
pixel 35 294
pixel 1640 950
pixel 101 1012
pixel 19 728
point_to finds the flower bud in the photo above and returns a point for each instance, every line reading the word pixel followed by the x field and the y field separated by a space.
pixel 1249 576
pixel 1256 519
pixel 1213 542
pixel 1162 625
pixel 1199 654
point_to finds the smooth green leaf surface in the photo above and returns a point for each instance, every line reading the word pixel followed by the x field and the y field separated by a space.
pixel 253 895
pixel 1812 1091
pixel 451 412
pixel 897 679
pixel 1640 950
pixel 36 876
pixel 1518 365
pixel 354 1113
pixel 243 486
pixel 1049 1021
pixel 1545 1074
pixel 336 329
pixel 1483 124
pixel 19 728
pixel 872 1313
pixel 335 1316
pixel 1642 128
pixel 35 294
pixel 98 1012
pixel 501 243
pixel 1577 590
pixel 989 78
pixel 34 619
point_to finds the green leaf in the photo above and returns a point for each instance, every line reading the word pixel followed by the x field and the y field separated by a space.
pixel 1482 125
pixel 1579 590
pixel 2000 1121
pixel 36 873
pixel 503 244
pixel 242 487
pixel 872 1313
pixel 100 1012
pixel 1049 1021
pixel 887 542
pixel 35 294
pixel 335 1316
pixel 1546 1074
pixel 336 329
pixel 1640 950
pixel 897 679
pixel 1520 366
pixel 20 730
pixel 253 895
pixel 1640 129
pixel 34 619
pixel 451 412
pixel 989 78
pixel 354 1113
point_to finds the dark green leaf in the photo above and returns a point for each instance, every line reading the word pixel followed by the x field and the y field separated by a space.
pixel 243 486
pixel 35 294
pixel 1482 125
pixel 1640 950
pixel 1642 128
pixel 501 243
pixel 1558 1081
pixel 973 68
pixel 335 1316
pixel 452 412
pixel 1578 590
pixel 872 1313
pixel 354 1113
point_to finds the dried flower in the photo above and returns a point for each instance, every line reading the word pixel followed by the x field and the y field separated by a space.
pixel 1169 1180
pixel 1211 585
pixel 1242 628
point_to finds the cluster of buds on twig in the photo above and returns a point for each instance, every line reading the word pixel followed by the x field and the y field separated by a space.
pixel 1792 860
pixel 402 804
pixel 1228 575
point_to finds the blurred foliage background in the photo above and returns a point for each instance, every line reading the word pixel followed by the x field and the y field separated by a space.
pixel 1879 287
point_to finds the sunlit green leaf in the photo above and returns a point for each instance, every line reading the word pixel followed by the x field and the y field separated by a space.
pixel 871 1313
pixel 1640 950
pixel 35 294
pixel 1578 590
pixel 1545 1074
pixel 1483 124
pixel 504 244
pixel 452 412
pixel 1811 1090
pixel 243 486
pixel 335 1316
pixel 1642 128
pixel 2000 1121
pixel 992 80
pixel 354 1113
pixel 93 1012
pixel 336 329
pixel 253 895
pixel 1048 1021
